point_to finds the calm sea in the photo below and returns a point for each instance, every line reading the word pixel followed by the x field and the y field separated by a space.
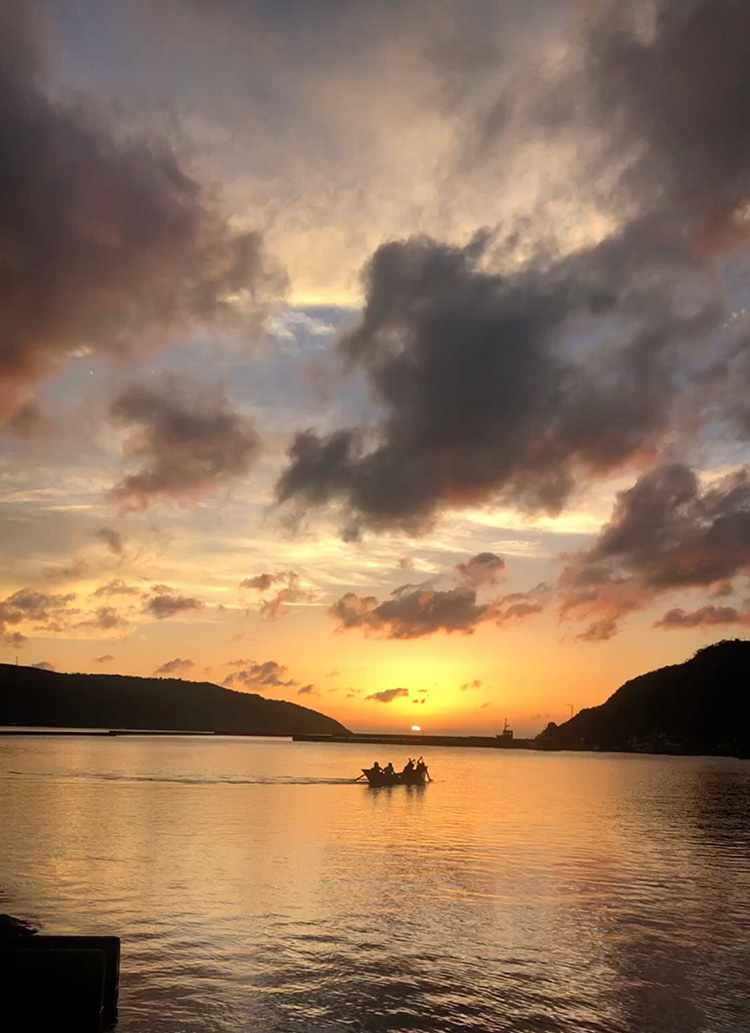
pixel 255 888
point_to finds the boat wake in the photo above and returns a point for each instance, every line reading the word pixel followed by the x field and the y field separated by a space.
pixel 280 780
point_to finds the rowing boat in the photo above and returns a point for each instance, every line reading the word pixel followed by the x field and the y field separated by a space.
pixel 378 778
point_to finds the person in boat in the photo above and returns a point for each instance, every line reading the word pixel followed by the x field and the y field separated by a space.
pixel 389 769
pixel 408 768
pixel 376 768
pixel 421 768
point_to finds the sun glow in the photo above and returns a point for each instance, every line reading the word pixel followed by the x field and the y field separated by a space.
pixel 416 728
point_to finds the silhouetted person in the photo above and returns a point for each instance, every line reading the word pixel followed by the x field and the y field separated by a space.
pixel 389 769
pixel 408 767
pixel 376 768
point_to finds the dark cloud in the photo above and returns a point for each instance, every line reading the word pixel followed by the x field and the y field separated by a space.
pixel 109 245
pixel 116 587
pixel 188 441
pixel 704 617
pixel 44 666
pixel 261 582
pixel 516 387
pixel 417 610
pixel 176 666
pixel 106 658
pixel 676 101
pixel 290 592
pixel 306 690
pixel 412 614
pixel 164 603
pixel 45 610
pixel 667 532
pixel 387 695
pixel 484 395
pixel 111 538
pixel 483 569
pixel 251 674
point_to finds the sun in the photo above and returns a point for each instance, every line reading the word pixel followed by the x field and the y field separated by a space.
pixel 416 728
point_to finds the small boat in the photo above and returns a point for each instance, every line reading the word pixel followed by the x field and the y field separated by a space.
pixel 377 777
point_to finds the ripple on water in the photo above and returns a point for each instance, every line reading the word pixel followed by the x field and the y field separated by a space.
pixel 257 889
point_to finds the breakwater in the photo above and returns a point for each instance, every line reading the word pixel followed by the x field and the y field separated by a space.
pixel 418 742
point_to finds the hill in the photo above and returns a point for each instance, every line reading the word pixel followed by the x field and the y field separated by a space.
pixel 701 706
pixel 29 696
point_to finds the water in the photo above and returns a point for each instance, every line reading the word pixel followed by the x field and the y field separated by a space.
pixel 255 889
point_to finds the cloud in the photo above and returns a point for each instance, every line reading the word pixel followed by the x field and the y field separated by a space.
pixel 484 395
pixel 387 695
pixel 251 674
pixel 307 690
pixel 704 617
pixel 260 583
pixel 73 571
pixel 45 610
pixel 176 666
pixel 667 533
pixel 680 94
pixel 483 569
pixel 111 538
pixel 476 684
pixel 13 638
pixel 105 618
pixel 412 613
pixel 44 666
pixel 114 246
pixel 28 420
pixel 115 587
pixel 519 366
pixel 106 658
pixel 517 606
pixel 290 593
pixel 599 631
pixel 164 603
pixel 188 441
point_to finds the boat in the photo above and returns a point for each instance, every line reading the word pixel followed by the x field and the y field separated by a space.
pixel 377 777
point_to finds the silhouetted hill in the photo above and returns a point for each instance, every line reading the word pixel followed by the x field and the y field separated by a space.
pixel 700 706
pixel 29 696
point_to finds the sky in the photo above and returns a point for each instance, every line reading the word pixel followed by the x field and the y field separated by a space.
pixel 387 358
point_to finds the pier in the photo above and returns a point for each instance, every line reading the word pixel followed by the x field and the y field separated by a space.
pixel 495 742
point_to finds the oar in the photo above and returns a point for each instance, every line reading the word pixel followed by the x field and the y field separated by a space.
pixel 359 776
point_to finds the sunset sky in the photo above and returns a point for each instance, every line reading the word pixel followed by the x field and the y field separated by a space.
pixel 387 357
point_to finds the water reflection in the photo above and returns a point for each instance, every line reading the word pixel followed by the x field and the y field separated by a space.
pixel 255 890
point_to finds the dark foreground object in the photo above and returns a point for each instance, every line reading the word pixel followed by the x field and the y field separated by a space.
pixel 377 779
pixel 698 707
pixel 30 698
pixel 53 983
